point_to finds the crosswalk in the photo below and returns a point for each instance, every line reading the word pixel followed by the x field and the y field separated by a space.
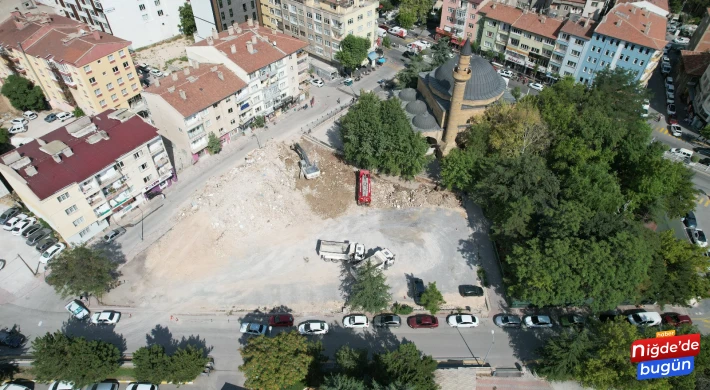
pixel 664 131
pixel 702 200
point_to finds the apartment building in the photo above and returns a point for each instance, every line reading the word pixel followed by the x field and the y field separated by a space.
pixel 79 176
pixel 586 8
pixel 459 20
pixel 143 22
pixel 220 14
pixel 323 24
pixel 628 37
pixel 271 14
pixel 701 101
pixel 700 41
pixel 659 7
pixel 74 65
pixel 572 42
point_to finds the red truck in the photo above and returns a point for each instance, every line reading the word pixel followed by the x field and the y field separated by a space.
pixel 364 191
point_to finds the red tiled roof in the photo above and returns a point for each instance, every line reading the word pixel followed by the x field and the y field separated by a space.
pixel 42 37
pixel 206 89
pixel 628 22
pixel 578 28
pixel 266 53
pixel 539 24
pixel 88 159
pixel 502 13
pixel 662 4
pixel 695 62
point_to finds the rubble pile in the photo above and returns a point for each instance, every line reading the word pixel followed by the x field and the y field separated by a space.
pixel 333 193
pixel 389 195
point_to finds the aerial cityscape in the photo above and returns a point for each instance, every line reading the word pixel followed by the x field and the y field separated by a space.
pixel 354 194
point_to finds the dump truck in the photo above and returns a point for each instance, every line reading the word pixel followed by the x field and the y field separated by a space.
pixel 382 259
pixel 364 189
pixel 336 251
pixel 308 170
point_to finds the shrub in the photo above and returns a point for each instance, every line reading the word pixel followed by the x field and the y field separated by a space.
pixel 400 308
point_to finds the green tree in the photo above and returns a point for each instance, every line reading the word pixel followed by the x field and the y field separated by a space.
pixel 214 145
pixel 151 364
pixel 370 291
pixel 476 47
pixel 187 20
pixel 432 299
pixel 273 363
pixel 259 121
pixel 23 94
pixel 406 17
pixel 186 364
pixel 73 359
pixel 386 6
pixel 516 92
pixel 457 169
pixel 353 51
pixel 563 357
pixel 386 41
pixel 705 131
pixel 405 366
pixel 78 112
pixel 377 135
pixel 409 76
pixel 5 144
pixel 352 362
pixel 417 9
pixel 516 129
pixel 440 51
pixel 342 382
pixel 81 270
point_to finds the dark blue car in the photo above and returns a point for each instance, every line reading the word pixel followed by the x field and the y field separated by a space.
pixel 50 118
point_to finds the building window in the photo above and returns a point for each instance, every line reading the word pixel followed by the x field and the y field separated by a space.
pixel 232 122
pixel 122 53
pixel 606 53
pixel 146 17
pixel 515 30
pixel 575 53
pixel 71 209
pixel 603 63
pixel 524 47
pixel 230 110
pixel 487 44
pixel 489 34
pixel 114 97
pixel 124 92
pixel 641 63
pixel 63 197
pixel 141 7
pixel 359 17
pixel 134 86
pixel 125 64
pixel 571 64
pixel 222 15
pixel 535 50
pixel 97 91
pixel 351 21
pixel 138 154
pixel 109 86
pixel 208 123
pixel 157 3
pixel 579 42
pixel 527 35
pixel 78 221
pixel 120 80
pixel 160 12
pixel 103 103
pixel 147 178
pixel 87 69
pixel 143 167
pixel 84 232
pixel 472 16
pixel 92 80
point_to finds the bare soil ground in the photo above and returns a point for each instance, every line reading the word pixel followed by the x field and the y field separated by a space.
pixel 248 239
pixel 158 55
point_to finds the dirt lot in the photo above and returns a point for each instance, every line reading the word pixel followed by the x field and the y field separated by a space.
pixel 158 56
pixel 249 240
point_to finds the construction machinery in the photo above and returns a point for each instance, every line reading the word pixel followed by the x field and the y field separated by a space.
pixel 341 251
pixel 364 188
pixel 308 170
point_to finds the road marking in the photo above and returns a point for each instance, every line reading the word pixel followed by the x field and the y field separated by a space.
pixel 707 202
pixel 663 130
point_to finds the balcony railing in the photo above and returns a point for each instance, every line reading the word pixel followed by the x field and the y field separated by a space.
pixel 156 148
pixel 114 192
pixel 196 134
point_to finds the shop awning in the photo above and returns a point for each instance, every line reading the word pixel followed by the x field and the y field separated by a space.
pixel 372 56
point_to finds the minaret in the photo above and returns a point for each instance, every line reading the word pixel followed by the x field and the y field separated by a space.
pixel 462 73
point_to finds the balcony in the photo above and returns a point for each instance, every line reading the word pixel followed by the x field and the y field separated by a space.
pixel 189 121
pixel 199 145
pixel 89 187
pixel 560 49
pixel 113 192
pixel 164 171
pixel 96 199
pixel 196 133
pixel 156 148
pixel 460 14
pixel 110 179
pixel 102 210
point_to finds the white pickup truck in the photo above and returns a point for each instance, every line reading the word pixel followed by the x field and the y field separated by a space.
pixel 341 251
pixel 382 259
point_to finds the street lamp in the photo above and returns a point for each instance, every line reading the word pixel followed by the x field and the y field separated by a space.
pixel 493 332
pixel 141 209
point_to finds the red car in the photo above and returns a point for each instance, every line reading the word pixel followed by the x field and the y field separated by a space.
pixel 676 319
pixel 422 321
pixel 281 320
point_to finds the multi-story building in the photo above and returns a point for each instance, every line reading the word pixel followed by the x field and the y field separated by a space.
pixel 659 7
pixel 220 14
pixel 628 37
pixel 323 24
pixel 143 22
pixel 585 8
pixel 74 65
pixel 701 101
pixel 459 19
pixel 572 41
pixel 496 22
pixel 80 175
pixel 700 41
pixel 271 14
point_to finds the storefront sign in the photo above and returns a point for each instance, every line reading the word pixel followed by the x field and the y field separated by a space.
pixel 518 61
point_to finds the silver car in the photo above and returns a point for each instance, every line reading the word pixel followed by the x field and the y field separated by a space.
pixel 387 321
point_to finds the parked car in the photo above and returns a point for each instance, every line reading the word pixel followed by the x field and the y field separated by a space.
pixel 666 69
pixel 77 309
pixel 676 319
pixel 22 226
pixel 670 89
pixel 106 317
pixel 537 321
pixel 103 386
pixel 676 130
pixel 646 318
pixel 317 82
pixel 669 81
pixel 51 252
pixel 141 386
pixel 423 321
pixel 253 328
pixel 356 321
pixel 44 244
pixel 348 82
pixel 113 234
pixel 313 327
pixel 281 320
pixel 506 73
pixel 507 321
pixel 572 320
pixel 666 60
pixel 61 386
pixel 13 386
pixel 156 72
pixel 62 116
pixel 30 115
pixel 50 118
pixel 38 236
pixel 31 230
pixel 19 121
pixel 386 321
pixel 670 109
pixel 537 86
pixel 681 40
pixel 9 213
pixel 462 320
pixel 12 222
pixel 12 338
pixel 690 221
pixel 418 289
pixel 670 99
pixel 468 290
pixel 17 128
pixel 698 238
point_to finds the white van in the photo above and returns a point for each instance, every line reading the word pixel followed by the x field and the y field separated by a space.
pixel 381 32
pixel 682 152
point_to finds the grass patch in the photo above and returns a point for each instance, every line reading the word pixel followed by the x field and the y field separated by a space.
pixel 482 277
pixel 399 308
pixel 124 373
pixel 170 61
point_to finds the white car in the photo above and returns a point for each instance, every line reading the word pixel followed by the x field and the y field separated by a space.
pixel 19 121
pixel 666 60
pixel 537 321
pixel 681 40
pixel 156 72
pixel 253 328
pixel 313 327
pixel 18 128
pixel 462 320
pixel 31 115
pixel 62 116
pixel 317 82
pixel 646 318
pixel 61 386
pixel 505 73
pixel 103 386
pixel 644 108
pixel 22 226
pixel 51 252
pixel 537 86
pixel 141 386
pixel 670 109
pixel 77 309
pixel 113 234
pixel 676 130
pixel 10 223
pixel 105 317
pixel 356 321
pixel 13 386
pixel 698 237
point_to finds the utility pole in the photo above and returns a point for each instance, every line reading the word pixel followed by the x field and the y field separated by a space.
pixel 493 332
pixel 141 209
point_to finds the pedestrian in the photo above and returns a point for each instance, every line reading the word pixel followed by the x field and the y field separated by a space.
pixel 338 100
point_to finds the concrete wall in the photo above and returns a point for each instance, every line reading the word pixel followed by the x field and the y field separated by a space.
pixel 603 51
pixel 129 22
pixel 171 125
pixel 471 23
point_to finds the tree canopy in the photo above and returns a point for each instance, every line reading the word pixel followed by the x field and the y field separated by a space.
pixel 569 178
pixel 187 20
pixel 23 94
pixel 81 270
pixel 370 291
pixel 353 51
pixel 414 11
pixel 405 365
pixel 432 299
pixel 378 136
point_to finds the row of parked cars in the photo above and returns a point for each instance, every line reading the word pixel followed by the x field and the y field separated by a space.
pixel 19 125
pixel 20 224
pixel 106 385
pixel 695 233
pixel 635 317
